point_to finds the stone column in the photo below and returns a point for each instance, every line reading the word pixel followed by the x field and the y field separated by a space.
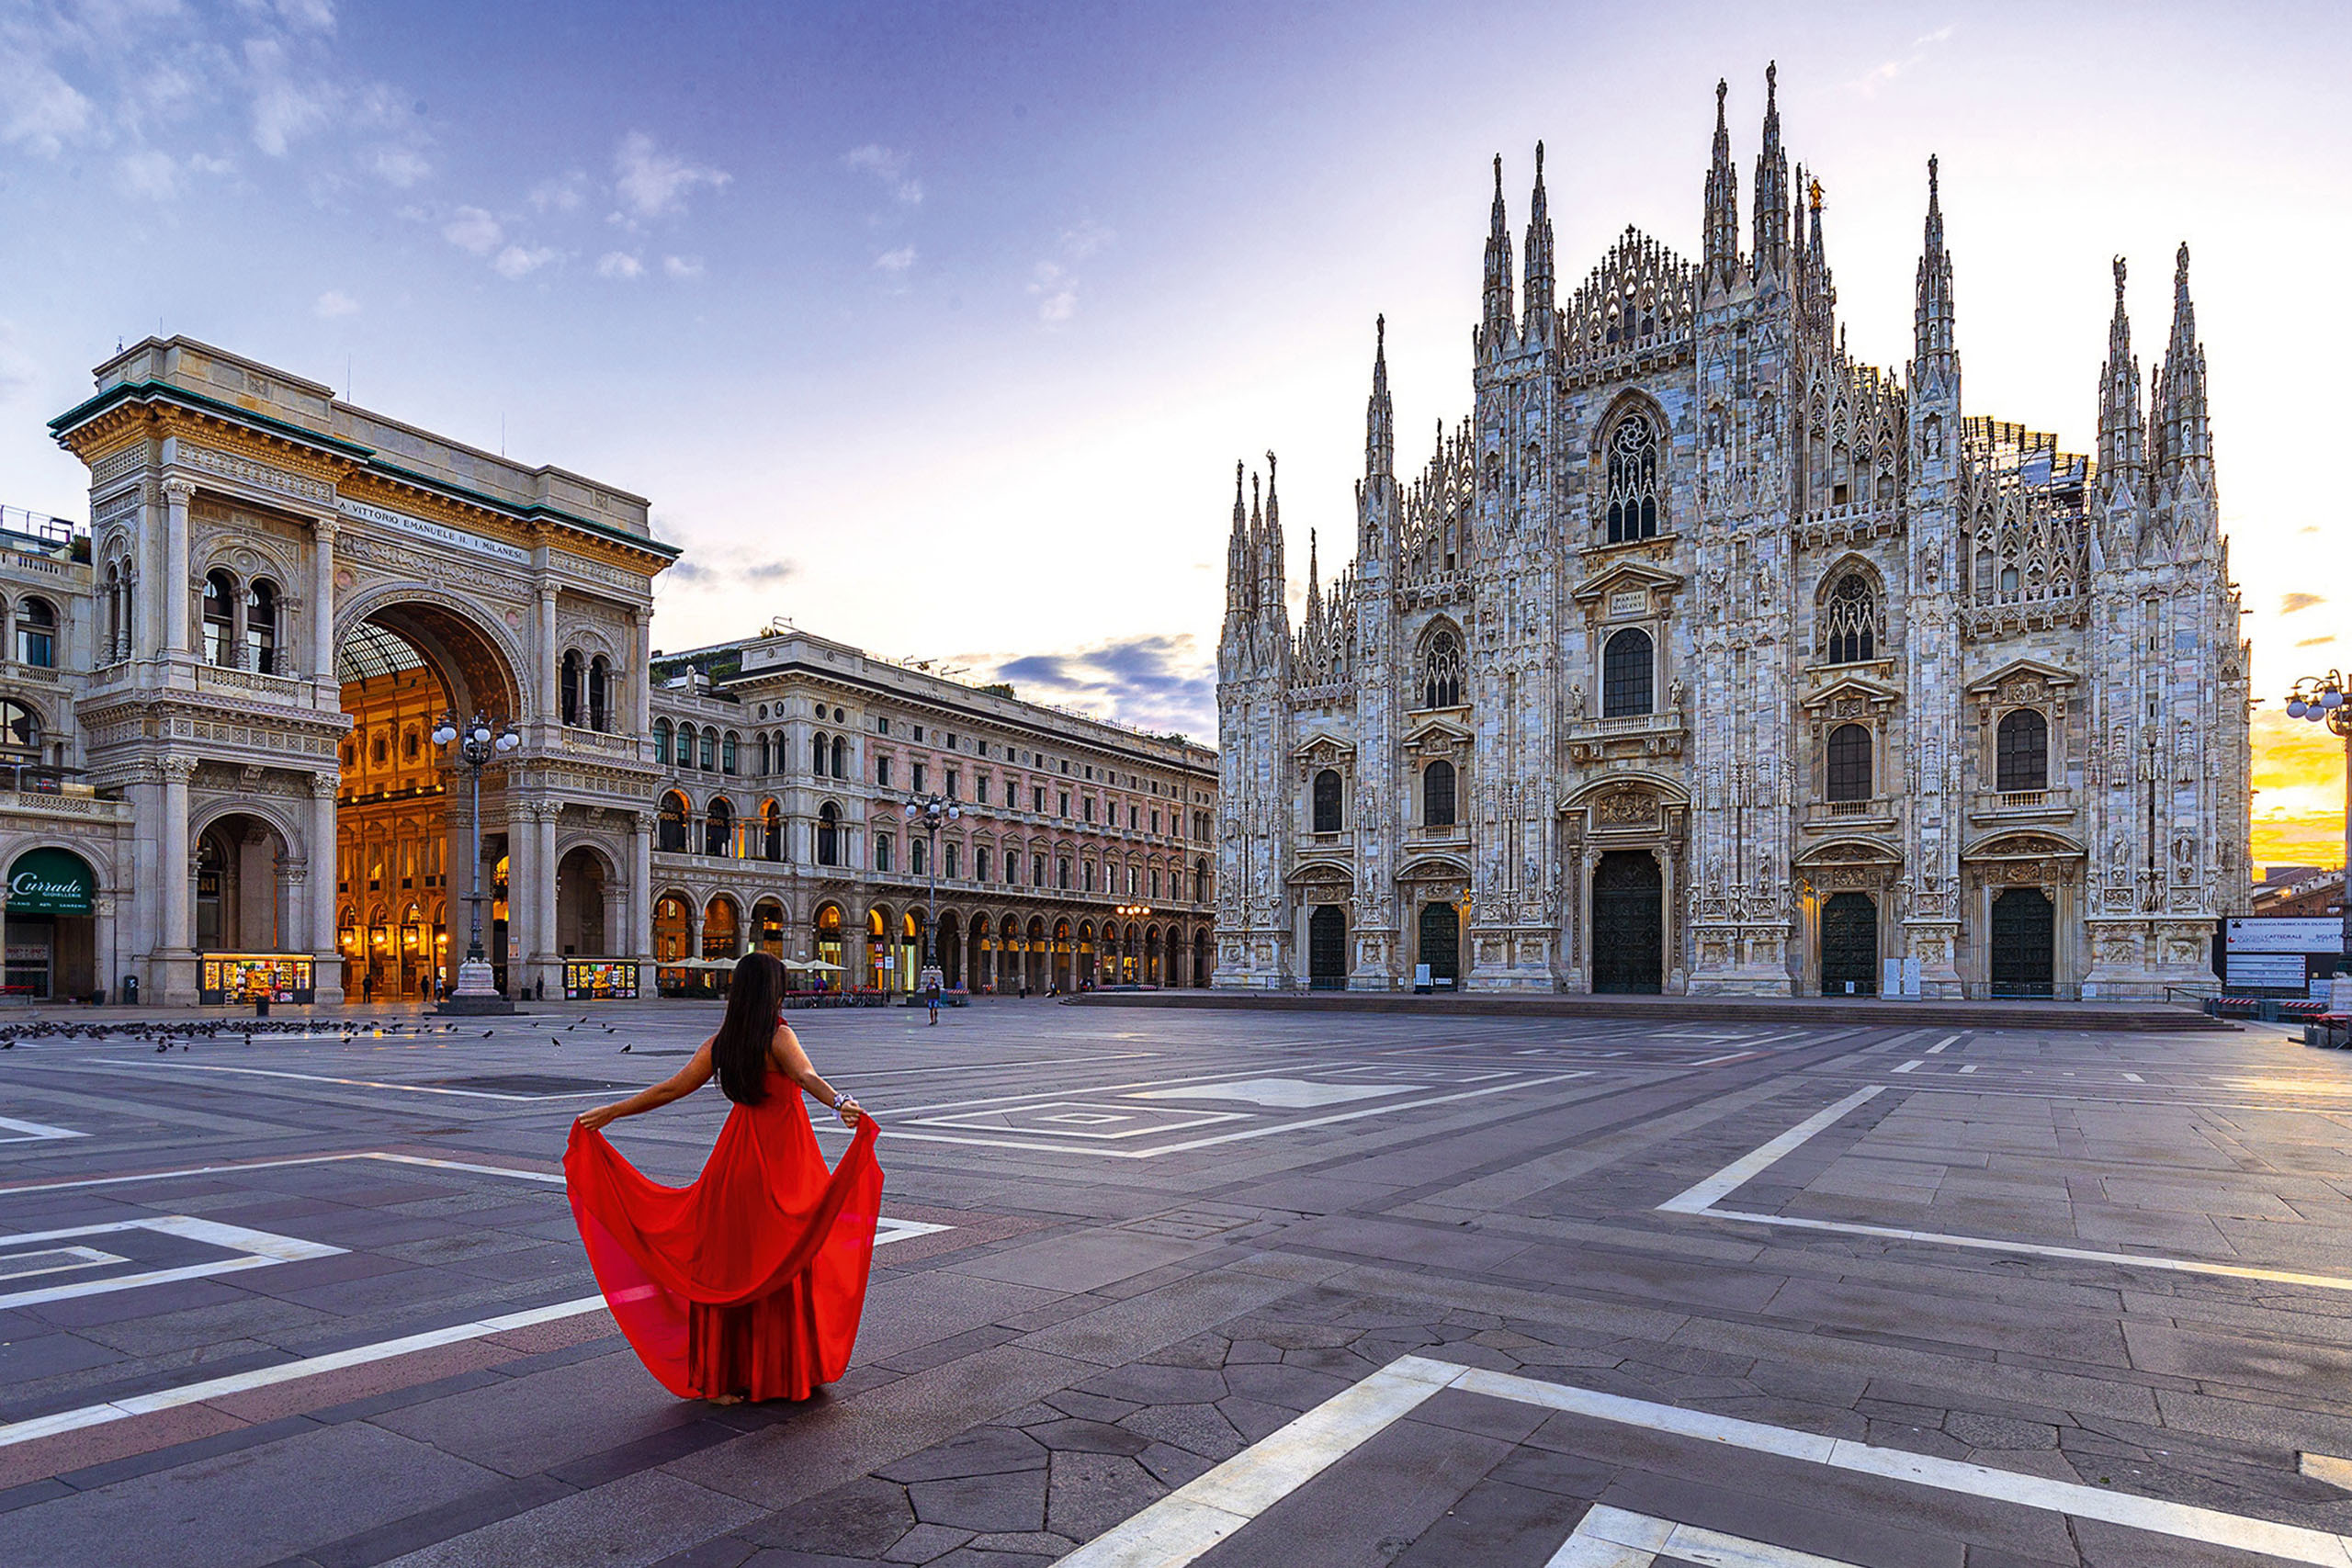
pixel 638 938
pixel 549 954
pixel 322 534
pixel 319 936
pixel 174 587
pixel 173 975
pixel 640 674
pixel 524 877
pixel 551 688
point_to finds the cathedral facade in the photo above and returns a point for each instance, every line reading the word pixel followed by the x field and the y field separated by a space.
pixel 1700 658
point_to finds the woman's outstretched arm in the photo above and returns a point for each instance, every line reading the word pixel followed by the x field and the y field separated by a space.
pixel 793 1063
pixel 684 1082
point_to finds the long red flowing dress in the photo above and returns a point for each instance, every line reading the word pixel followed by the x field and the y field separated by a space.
pixel 751 1281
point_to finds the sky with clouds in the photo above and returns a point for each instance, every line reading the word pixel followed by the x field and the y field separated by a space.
pixel 938 328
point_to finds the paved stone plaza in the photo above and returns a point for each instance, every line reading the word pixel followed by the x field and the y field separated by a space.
pixel 1229 1288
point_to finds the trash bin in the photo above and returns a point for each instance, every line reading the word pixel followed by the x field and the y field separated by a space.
pixel 261 1004
pixel 130 990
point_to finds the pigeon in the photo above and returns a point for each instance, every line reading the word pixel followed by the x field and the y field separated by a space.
pixel 161 1049
pixel 624 1050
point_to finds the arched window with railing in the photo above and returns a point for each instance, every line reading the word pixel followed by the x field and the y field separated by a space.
pixel 2021 751
pixel 816 754
pixel 219 618
pixel 1327 801
pixel 671 823
pixel 569 684
pixel 662 741
pixel 771 830
pixel 1437 795
pixel 829 834
pixel 707 745
pixel 841 757
pixel 1849 763
pixel 1628 677
pixel 262 609
pixel 36 633
pixel 1633 506
pixel 729 749
pixel 600 693
pixel 718 826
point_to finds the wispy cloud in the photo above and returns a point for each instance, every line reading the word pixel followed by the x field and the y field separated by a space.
pixel 651 183
pixel 2290 602
pixel 620 265
pixel 1161 683
pixel 888 165
pixel 151 173
pixel 473 229
pixel 521 261
pixel 702 568
pixel 566 192
pixel 896 262
pixel 1053 283
pixel 681 269
pixel 333 303
pixel 398 166
pixel 1886 71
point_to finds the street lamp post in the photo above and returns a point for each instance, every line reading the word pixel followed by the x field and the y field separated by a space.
pixel 1130 912
pixel 2321 700
pixel 476 745
pixel 929 811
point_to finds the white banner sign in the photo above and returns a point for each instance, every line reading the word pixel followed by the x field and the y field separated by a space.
pixel 437 533
pixel 2285 933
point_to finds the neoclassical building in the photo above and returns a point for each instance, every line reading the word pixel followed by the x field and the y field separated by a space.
pixel 218 775
pixel 1701 657
pixel 1080 854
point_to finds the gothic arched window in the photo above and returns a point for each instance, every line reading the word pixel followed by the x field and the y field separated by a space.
pixel 2021 751
pixel 600 693
pixel 1849 622
pixel 1437 795
pixel 841 757
pixel 1327 801
pixel 1627 680
pixel 1441 669
pixel 1633 479
pixel 1850 762
pixel 829 834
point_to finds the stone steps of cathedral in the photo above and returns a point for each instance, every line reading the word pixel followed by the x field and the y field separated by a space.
pixel 2124 1017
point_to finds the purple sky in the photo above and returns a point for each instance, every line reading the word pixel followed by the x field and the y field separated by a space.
pixel 938 329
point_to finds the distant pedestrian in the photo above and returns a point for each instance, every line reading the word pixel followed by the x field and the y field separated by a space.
pixel 368 986
pixel 748 1283
pixel 932 997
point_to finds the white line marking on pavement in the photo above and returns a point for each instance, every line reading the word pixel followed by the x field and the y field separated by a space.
pixel 1740 1172
pixel 55 1260
pixel 1186 1523
pixel 554 1177
pixel 1700 1201
pixel 1735 1056
pixel 1970 1068
pixel 2133 1077
pixel 358 1083
pixel 29 1132
pixel 1910 1066
pixel 1938 1048
pixel 1097 1150
pixel 885 1231
pixel 2336 1471
pixel 250 1249
pixel 1612 1537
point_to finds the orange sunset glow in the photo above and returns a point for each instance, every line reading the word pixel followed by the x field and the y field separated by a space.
pixel 2298 791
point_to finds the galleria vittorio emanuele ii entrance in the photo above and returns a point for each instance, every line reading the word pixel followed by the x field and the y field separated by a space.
pixel 352 582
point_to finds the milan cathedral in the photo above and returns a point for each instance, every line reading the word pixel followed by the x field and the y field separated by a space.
pixel 1702 659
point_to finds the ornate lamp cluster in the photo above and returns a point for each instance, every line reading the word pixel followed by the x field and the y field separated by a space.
pixel 478 743
pixel 2321 699
pixel 930 812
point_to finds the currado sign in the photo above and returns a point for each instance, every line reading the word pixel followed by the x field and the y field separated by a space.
pixel 50 881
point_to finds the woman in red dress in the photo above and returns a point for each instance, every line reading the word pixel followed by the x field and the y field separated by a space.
pixel 748 1283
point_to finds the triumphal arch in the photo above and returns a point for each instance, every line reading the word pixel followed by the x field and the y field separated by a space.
pixel 290 593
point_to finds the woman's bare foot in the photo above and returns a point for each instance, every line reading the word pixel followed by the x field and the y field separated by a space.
pixel 726 1399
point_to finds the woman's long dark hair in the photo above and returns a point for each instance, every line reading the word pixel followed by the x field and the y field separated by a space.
pixel 740 1049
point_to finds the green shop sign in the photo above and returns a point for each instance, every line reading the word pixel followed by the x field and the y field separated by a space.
pixel 50 881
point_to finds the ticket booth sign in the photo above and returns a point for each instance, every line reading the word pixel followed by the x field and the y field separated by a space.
pixel 50 881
